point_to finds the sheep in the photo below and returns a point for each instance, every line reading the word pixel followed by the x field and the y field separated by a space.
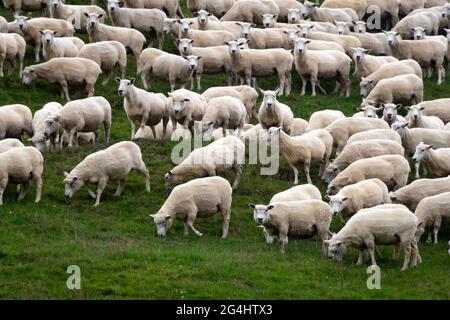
pixel 59 47
pixel 314 146
pixel 342 129
pixel 431 212
pixel 386 8
pixel 20 165
pixel 368 111
pixel 437 161
pixel 12 47
pixel 412 137
pixel 251 10
pixel 407 89
pixel 447 127
pixel 407 6
pixel 433 3
pixel 185 107
pixel 214 60
pixel 273 113
pixel 225 112
pixel 389 70
pixel 393 170
pixel 296 219
pixel 352 198
pixel 108 55
pixel 298 127
pixel 15 119
pixel 39 140
pixel 295 18
pixel 218 7
pixel 297 193
pixel 200 198
pixel 216 158
pixel 292 35
pixel 390 114
pixel 322 119
pixel 361 150
pixel 428 19
pixel 206 38
pixel 254 134
pixel 64 71
pixel 367 64
pixel 322 65
pixel 3 25
pixel 284 6
pixel 9 143
pixel 74 14
pixel 16 6
pixel 113 163
pixel 130 38
pixel 83 115
pixel 359 6
pixel 425 52
pixel 375 42
pixel 418 120
pixel 246 94
pixel 170 7
pixel 270 21
pixel 146 108
pixel 419 33
pixel 381 225
pixel 264 38
pixel 384 134
pixel 147 133
pixel 206 21
pixel 328 14
pixel 30 28
pixel 261 63
pixel 438 108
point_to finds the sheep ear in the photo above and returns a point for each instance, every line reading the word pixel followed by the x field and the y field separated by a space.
pixel 251 205
pixel 41 32
pixel 191 23
pixel 132 80
pixel 27 18
pixel 345 198
pixel 430 147
pixel 419 224
pixel 262 91
pixel 152 216
pixel 168 217
pixel 398 106
pixel 238 23
pixel 198 58
pixel 405 124
pixel 170 173
pixel 100 15
pixel 191 41
pixel 195 14
pixel 55 32
pixel 421 108
pixel 118 79
pixel 284 31
pixel 327 197
pixel 66 174
pixel 270 207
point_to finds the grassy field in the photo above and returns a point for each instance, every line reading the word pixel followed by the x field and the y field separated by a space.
pixel 120 256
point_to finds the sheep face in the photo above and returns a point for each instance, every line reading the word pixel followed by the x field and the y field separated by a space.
pixel 359 54
pixel 420 230
pixel 336 249
pixel 399 127
pixel 125 86
pixel 308 9
pixel 365 87
pixel 243 43
pixel 163 223
pixel 305 30
pixel 202 17
pixel 246 29
pixel 268 20
pixel 391 38
pixel 415 113
pixel 234 47
pixel 330 173
pixel 39 142
pixel 192 62
pixel 269 99
pixel 445 11
pixel 92 20
pixel 337 204
pixel 300 46
pixel 333 189
pixel 172 180
pixel 21 22
pixel 113 5
pixel 293 15
pixel 421 151
pixel 56 3
pixel 447 34
pixel 51 126
pixel 419 33
pixel 370 111
pixel 390 111
pixel 48 36
pixel 168 25
pixel 342 27
pixel 178 103
pixel 292 35
pixel 273 134
pixel 28 75
pixel 185 46
pixel 261 213
pixel 184 25
pixel 71 184
pixel 359 27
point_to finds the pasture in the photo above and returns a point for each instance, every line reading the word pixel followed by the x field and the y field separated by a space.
pixel 116 246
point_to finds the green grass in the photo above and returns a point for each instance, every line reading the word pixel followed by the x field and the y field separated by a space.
pixel 120 256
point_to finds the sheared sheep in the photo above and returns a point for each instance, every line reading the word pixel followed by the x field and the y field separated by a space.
pixel 437 161
pixel 273 113
pixel 431 212
pixel 297 193
pixel 15 119
pixel 59 47
pixel 418 120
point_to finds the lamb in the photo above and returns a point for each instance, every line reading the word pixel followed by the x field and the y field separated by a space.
pixel 59 47
pixel 64 71
pixel 296 219
pixel 431 212
pixel 262 63
pixel 30 28
pixel 218 8
pixel 390 114
pixel 407 89
pixel 297 193
pixel 298 127
pixel 84 115
pixel 20 165
pixel 284 6
pixel 147 108
pixel 292 36
pixel 418 120
pixel 438 108
pixel 12 47
pixel 328 14
pixel 381 225
pixel 171 7
pixel 314 146
pixel 322 119
pixel 225 112
pixel 393 170
pixel 361 150
pixel 342 129
pixel 264 38
pixel 437 161
pixel 428 19
pixel 15 119
pixel 324 65
pixel 206 38
pixel 185 107
pixel 130 38
pixel 200 198
pixel 10 143
pixel 39 140
pixel 216 158
pixel 74 14
pixel 364 194
pixel 157 64
pixel 113 163
pixel 367 64
pixel 251 10
pixel 359 6
pixel 375 134
pixel 246 94
pixel 108 55
pixel 273 113
pixel 149 22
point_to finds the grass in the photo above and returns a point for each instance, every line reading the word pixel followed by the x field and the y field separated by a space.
pixel 120 256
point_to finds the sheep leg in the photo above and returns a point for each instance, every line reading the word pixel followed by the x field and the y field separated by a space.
pixel 436 227
pixel 37 48
pixel 238 171
pixel 144 80
pixel 3 184
pixel 24 191
pixel 360 257
pixel 91 193
pixel 12 66
pixel 321 88
pixel 396 251
pixel 133 129
pixel 107 78
pixel 313 80
pixel 186 229
pixel 417 166
pixel 72 134
pixel 295 174
pixel 38 179
pixel 407 248
pixel 198 78
pixel 100 187
pixel 190 224
pixel 143 170
pixel 337 87
pixel 226 221
pixel 120 188
pixel 21 57
pixel 282 83
pixel 306 166
pixel 65 89
pixel 153 131
pixel 283 241
pixel 192 83
pixel 324 235
pixel 288 85
pixel 429 239
pixel 2 61
pixel 107 127
pixel 371 249
pixel 303 85
pixel 90 89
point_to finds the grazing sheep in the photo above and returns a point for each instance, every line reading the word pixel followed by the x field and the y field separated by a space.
pixel 9 143
pixel 251 10
pixel 264 38
pixel 59 47
pixel 15 119
pixel 273 113
pixel 367 64
pixel 375 134
pixel 393 170
pixel 390 114
pixel 20 165
pixel 297 193
pixel 146 108
pixel 170 7
pixel 361 150
pixel 364 194
pixel 39 139
pixel 418 120
pixel 12 47
pixel 202 198
pixel 428 19
pixel 298 127
pixel 381 225
pixel 437 161
pixel 295 219
pixel 108 55
pixel 328 14
pixel 64 71
pixel 113 163
pixel 84 115
pixel 324 64
pixel 314 146
pixel 431 213
pixel 218 7
pixel 322 119
pixel 438 108
pixel 74 14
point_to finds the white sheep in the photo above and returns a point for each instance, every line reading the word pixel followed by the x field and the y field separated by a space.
pixel 273 113
pixel 359 6
pixel 15 119
pixel 390 113
pixel 53 47
pixel 431 212
pixel 428 19
pixel 418 120
pixel 264 38
pixel 39 140
pixel 322 119
pixel 9 143
pixel 292 36
pixel 255 133
pixel 206 21
pixel 74 13
pixel 328 14
pixel 298 127
pixel 218 7
pixel 113 163
pixel 367 64
pixel 384 134
pixel 367 111
pixel 3 25
pixel 438 108
pixel 147 133
pixel 251 10
pixel 205 38
pixel 407 6
pixel 437 161
pixel 12 47
pixel 171 7
pixel 297 193
pixel 16 6
pixel 386 8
